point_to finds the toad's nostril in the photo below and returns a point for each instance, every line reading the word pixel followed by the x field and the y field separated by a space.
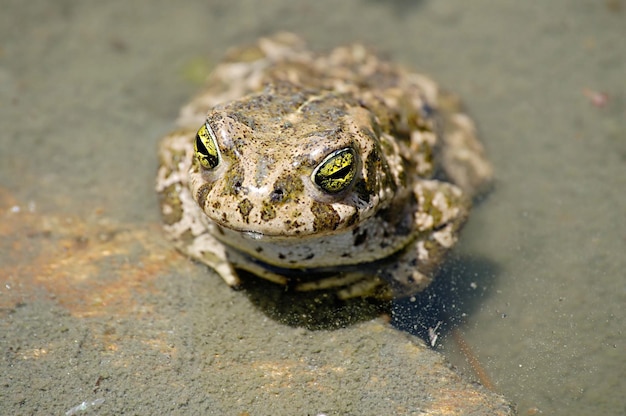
pixel 277 195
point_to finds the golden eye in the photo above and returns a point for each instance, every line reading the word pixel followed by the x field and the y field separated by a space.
pixel 206 150
pixel 336 171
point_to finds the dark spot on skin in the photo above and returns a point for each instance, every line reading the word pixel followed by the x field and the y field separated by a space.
pixel 372 165
pixel 326 218
pixel 402 179
pixel 386 147
pixel 215 119
pixel 360 188
pixel 286 189
pixel 346 255
pixel 369 133
pixel 233 181
pixel 281 256
pixel 360 238
pixel 427 110
pixel 258 249
pixel 244 209
pixel 169 197
pixel 202 194
pixel 309 257
pixel 267 212
pixel 353 219
pixel 293 224
pixel 243 118
pixel 216 205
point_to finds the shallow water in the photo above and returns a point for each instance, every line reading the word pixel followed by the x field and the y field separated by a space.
pixel 86 89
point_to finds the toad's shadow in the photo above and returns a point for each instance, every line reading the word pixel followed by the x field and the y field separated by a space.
pixel 316 310
pixel 457 290
pixel 460 288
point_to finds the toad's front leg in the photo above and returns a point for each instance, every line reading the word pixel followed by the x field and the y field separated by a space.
pixel 442 210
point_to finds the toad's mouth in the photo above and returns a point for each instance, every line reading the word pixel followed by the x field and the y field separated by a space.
pixel 258 236
pixel 270 234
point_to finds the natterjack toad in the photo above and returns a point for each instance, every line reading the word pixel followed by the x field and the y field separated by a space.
pixel 333 171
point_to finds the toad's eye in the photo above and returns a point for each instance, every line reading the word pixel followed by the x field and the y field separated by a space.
pixel 336 171
pixel 206 150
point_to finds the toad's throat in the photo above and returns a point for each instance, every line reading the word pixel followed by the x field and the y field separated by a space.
pixel 365 243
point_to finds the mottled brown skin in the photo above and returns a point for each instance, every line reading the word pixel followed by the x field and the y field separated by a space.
pixel 320 171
